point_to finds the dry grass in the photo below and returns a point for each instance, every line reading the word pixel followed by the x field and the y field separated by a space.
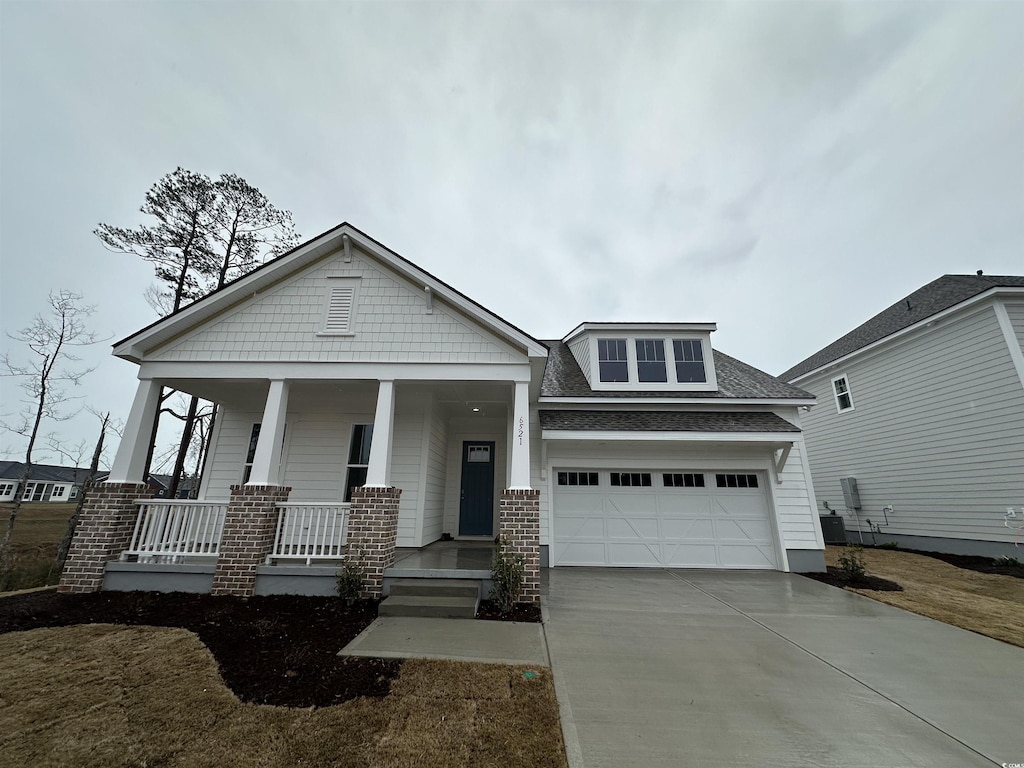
pixel 37 533
pixel 104 695
pixel 988 604
pixel 39 524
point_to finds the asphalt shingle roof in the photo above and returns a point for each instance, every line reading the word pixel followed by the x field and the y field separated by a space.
pixel 939 295
pixel 51 473
pixel 563 378
pixel 665 421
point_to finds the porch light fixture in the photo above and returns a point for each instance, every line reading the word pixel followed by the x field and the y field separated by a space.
pixel 476 410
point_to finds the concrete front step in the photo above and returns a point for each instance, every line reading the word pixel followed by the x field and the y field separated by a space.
pixel 436 587
pixel 433 606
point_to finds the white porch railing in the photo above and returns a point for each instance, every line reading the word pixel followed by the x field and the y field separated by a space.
pixel 310 532
pixel 170 531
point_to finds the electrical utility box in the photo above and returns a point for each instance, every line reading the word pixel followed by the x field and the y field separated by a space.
pixel 851 496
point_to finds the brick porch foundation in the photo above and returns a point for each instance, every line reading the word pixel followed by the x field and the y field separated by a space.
pixel 248 537
pixel 104 531
pixel 372 534
pixel 520 531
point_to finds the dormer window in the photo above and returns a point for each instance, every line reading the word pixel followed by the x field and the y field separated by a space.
pixel 612 362
pixel 650 360
pixel 689 360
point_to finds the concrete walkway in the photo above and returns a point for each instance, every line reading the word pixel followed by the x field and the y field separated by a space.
pixel 702 668
pixel 496 642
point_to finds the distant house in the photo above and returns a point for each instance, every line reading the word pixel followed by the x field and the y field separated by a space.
pixel 47 482
pixel 923 407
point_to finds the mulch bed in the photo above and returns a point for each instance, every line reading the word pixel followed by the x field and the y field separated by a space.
pixel 838 578
pixel 973 563
pixel 279 650
pixel 525 612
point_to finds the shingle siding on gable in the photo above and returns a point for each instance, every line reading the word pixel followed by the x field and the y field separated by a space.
pixel 390 324
pixel 936 431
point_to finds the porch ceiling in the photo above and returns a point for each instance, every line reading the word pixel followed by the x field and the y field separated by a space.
pixel 454 398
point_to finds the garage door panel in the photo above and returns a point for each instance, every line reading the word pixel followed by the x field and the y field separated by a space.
pixel 621 553
pixel 676 528
pixel 657 526
pixel 633 528
pixel 575 527
pixel 755 531
pixel 691 555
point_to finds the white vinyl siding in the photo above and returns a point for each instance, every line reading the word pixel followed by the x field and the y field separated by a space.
pixel 580 349
pixel 225 465
pixel 1015 311
pixel 936 433
pixel 391 324
pixel 406 460
pixel 436 455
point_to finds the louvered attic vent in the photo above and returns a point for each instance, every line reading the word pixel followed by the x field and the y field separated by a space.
pixel 339 310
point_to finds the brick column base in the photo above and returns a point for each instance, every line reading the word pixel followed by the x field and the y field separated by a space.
pixel 519 512
pixel 104 531
pixel 372 534
pixel 248 537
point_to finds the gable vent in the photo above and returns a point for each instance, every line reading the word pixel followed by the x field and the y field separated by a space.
pixel 339 312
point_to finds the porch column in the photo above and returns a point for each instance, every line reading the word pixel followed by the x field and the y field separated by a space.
pixel 266 463
pixel 519 461
pixel 378 471
pixel 373 514
pixel 249 526
pixel 104 531
pixel 130 461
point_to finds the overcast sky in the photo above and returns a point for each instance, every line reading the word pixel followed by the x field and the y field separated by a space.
pixel 783 169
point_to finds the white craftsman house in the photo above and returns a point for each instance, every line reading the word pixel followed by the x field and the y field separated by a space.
pixel 365 405
pixel 922 408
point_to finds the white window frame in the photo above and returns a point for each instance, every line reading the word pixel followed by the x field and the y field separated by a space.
pixel 710 384
pixel 836 394
pixel 340 283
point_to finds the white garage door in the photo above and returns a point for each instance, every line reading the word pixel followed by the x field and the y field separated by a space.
pixel 662 519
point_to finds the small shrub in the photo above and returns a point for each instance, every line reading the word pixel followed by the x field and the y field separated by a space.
pixel 508 570
pixel 350 581
pixel 851 563
pixel 1008 562
pixel 889 545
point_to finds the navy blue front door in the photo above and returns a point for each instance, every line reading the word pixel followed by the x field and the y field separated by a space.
pixel 476 508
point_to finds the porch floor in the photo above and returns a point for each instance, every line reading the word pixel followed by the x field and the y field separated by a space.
pixel 444 559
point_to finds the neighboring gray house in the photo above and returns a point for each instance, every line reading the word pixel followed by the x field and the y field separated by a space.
pixel 47 482
pixel 365 403
pixel 923 406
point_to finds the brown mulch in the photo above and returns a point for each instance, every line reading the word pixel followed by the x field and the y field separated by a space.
pixel 279 649
pixel 973 563
pixel 839 578
pixel 524 612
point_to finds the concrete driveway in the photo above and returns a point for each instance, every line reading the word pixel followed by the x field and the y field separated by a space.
pixel 709 668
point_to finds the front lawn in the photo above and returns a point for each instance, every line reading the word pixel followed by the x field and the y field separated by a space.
pixel 989 604
pixel 126 693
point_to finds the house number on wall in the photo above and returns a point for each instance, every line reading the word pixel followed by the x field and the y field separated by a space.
pixel 521 430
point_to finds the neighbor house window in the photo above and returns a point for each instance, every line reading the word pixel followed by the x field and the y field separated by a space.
pixel 841 389
pixel 58 492
pixel 631 479
pixel 358 458
pixel 577 478
pixel 689 354
pixel 611 356
pixel 736 481
pixel 683 480
pixel 650 360
pixel 6 489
